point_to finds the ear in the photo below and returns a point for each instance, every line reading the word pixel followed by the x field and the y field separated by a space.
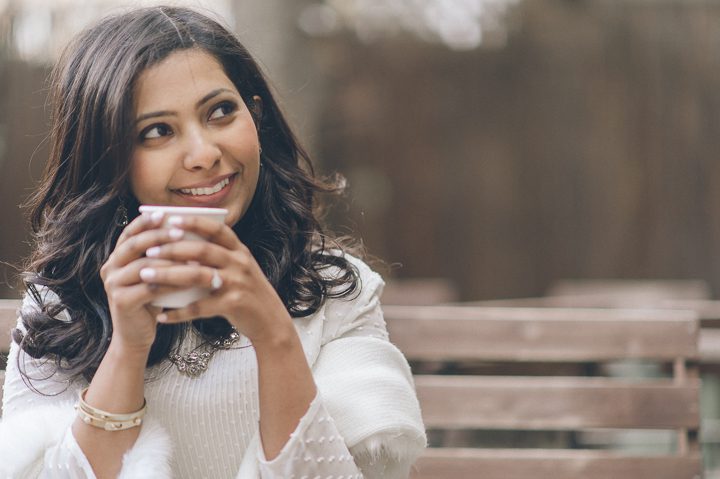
pixel 256 108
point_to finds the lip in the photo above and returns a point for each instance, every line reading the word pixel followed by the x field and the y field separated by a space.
pixel 214 199
pixel 205 184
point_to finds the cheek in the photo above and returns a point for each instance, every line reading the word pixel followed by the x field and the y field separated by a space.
pixel 135 178
pixel 245 135
pixel 145 181
pixel 253 171
pixel 248 190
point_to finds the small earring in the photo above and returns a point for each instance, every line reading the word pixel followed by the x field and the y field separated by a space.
pixel 260 149
pixel 121 216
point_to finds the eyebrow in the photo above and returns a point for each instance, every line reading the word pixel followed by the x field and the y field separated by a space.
pixel 200 103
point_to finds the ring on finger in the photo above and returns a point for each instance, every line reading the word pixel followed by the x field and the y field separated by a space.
pixel 216 282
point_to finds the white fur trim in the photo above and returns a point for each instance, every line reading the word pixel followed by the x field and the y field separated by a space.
pixel 397 447
pixel 151 455
pixel 25 437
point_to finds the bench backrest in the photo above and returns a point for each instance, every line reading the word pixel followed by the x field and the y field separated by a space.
pixel 509 400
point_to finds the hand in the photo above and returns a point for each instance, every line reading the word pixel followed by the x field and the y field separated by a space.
pixel 246 298
pixel 134 324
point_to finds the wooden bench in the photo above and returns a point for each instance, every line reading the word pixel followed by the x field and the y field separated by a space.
pixel 8 318
pixel 688 295
pixel 517 402
pixel 632 289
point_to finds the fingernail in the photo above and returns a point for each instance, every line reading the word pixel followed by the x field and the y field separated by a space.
pixel 148 274
pixel 153 252
pixel 175 233
pixel 175 220
pixel 156 217
pixel 162 317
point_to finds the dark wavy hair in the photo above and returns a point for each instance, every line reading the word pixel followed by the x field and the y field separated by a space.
pixel 74 211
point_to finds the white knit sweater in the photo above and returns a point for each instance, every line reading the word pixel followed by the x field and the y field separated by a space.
pixel 365 419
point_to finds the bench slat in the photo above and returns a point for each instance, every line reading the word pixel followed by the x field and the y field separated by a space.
pixel 556 403
pixel 523 334
pixel 555 464
pixel 632 288
pixel 708 310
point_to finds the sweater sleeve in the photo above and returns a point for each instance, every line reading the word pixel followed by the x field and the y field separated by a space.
pixel 367 384
pixel 316 448
pixel 36 437
pixel 365 420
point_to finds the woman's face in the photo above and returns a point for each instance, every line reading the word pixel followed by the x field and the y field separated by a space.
pixel 196 141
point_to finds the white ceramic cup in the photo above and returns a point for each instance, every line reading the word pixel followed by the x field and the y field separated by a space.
pixel 182 298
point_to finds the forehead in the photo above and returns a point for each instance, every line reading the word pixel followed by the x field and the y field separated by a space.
pixel 183 77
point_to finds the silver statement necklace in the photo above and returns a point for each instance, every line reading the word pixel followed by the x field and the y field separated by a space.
pixel 194 363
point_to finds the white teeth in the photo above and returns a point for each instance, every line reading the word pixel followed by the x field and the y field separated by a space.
pixel 206 191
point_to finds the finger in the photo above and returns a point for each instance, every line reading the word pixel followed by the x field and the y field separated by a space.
pixel 180 275
pixel 138 294
pixel 153 310
pixel 213 231
pixel 142 223
pixel 135 246
pixel 202 308
pixel 130 274
pixel 203 252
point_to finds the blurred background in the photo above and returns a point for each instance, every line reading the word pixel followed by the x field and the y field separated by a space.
pixel 499 144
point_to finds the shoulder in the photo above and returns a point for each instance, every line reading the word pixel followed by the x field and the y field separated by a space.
pixel 38 301
pixel 369 282
pixel 358 309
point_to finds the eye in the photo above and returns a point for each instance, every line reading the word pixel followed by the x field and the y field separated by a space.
pixel 222 110
pixel 155 131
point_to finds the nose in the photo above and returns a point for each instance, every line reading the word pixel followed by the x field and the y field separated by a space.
pixel 201 151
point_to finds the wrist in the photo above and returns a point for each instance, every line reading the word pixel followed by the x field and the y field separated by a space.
pixel 128 353
pixel 280 337
pixel 118 384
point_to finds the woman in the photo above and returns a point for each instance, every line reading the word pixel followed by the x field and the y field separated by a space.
pixel 284 370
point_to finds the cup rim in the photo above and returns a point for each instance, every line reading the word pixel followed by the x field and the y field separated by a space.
pixel 183 210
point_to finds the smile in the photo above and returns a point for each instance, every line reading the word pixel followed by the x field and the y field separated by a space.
pixel 206 191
